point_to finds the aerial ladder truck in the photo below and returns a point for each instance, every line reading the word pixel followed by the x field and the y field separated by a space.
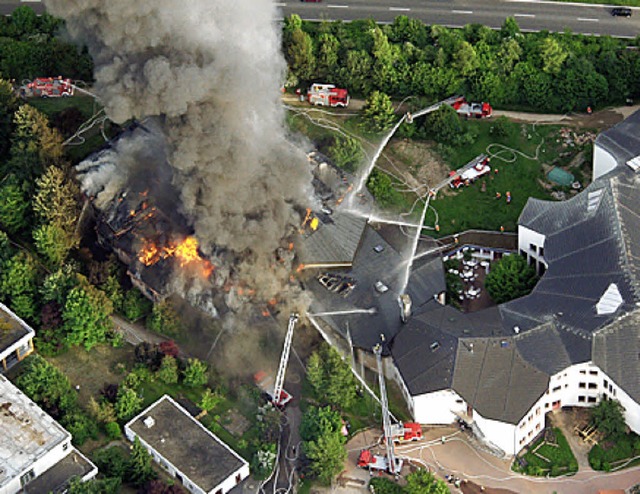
pixel 277 394
pixel 379 463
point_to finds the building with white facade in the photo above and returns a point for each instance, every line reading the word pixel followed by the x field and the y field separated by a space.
pixel 16 338
pixel 573 340
pixel 36 455
pixel 186 449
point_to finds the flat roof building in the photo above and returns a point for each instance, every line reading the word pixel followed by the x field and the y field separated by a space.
pixel 16 338
pixel 187 449
pixel 34 447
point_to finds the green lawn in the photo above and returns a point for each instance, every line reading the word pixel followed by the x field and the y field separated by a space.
pixel 561 458
pixel 469 207
pixel 50 106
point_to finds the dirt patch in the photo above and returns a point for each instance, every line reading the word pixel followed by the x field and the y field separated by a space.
pixel 414 163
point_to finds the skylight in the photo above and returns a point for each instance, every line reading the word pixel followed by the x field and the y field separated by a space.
pixel 610 300
pixel 634 163
pixel 594 199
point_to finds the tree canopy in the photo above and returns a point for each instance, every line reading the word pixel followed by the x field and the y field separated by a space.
pixel 331 378
pixel 510 278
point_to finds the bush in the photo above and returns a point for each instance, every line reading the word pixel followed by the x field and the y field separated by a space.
pixel 80 425
pixel 112 429
pixel 135 305
pixel 111 462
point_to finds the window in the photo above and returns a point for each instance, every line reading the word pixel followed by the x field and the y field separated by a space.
pixel 522 425
pixel 521 440
pixel 546 405
pixel 27 477
pixel 459 401
pixel 591 399
pixel 605 383
pixel 538 411
pixel 541 251
pixel 65 446
pixel 593 373
pixel 530 434
pixel 581 399
pixel 593 386
pixel 610 388
pixel 538 426
pixel 582 385
pixel 557 388
pixel 614 392
pixel 533 248
pixel 583 372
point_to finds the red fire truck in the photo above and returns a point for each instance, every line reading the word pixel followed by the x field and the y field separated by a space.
pixel 49 87
pixel 409 431
pixel 327 95
pixel 478 110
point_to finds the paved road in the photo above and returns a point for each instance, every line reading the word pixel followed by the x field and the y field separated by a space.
pixel 532 15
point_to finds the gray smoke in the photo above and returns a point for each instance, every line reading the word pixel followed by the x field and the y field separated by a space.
pixel 211 71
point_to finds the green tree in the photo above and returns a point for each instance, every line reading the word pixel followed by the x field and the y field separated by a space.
pixel 509 54
pixel 86 316
pixel 111 462
pixel 378 114
pixel 298 51
pixel 55 201
pixel 195 374
pixel 608 417
pixel 327 62
pixel 139 469
pixel 465 60
pixel 8 105
pixel 327 455
pixel 94 486
pixel 51 244
pixel 128 403
pixel 168 371
pixel 14 207
pixel 46 385
pixel 209 400
pixel 319 421
pixel 423 482
pixel 510 28
pixel 355 74
pixel 380 185
pixel 346 152
pixel 444 125
pixel 552 54
pixel 164 319
pixel 331 378
pixel 80 425
pixel 18 285
pixel 58 284
pixel 510 278
pixel 135 306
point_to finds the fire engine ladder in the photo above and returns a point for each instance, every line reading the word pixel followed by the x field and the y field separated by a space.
pixel 284 359
pixel 386 420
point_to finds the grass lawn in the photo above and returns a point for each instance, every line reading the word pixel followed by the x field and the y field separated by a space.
pixel 561 459
pixel 469 207
pixel 50 106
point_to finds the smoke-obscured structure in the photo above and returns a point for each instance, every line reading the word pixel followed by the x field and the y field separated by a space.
pixel 211 164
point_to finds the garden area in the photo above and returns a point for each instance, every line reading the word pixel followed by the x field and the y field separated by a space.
pixel 549 456
pixel 618 447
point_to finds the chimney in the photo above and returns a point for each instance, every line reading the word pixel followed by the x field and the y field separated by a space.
pixel 405 307
pixel 149 422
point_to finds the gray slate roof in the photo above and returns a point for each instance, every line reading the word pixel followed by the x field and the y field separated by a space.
pixel 623 139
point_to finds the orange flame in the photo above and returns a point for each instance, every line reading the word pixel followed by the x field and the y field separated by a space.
pixel 300 268
pixel 265 313
pixel 186 252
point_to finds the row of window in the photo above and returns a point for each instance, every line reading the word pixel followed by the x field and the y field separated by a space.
pixel 534 248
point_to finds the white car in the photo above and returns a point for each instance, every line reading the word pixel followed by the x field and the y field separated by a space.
pixel 381 287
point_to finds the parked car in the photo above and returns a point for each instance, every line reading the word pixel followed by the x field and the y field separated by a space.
pixel 381 287
pixel 621 12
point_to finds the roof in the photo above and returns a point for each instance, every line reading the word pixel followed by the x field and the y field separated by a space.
pixel 26 432
pixel 616 350
pixel 12 328
pixel 495 380
pixel 56 479
pixel 622 140
pixel 195 451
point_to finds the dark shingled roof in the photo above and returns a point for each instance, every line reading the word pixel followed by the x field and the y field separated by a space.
pixel 616 350
pixel 622 140
pixel 495 380
pixel 186 444
pixel 334 242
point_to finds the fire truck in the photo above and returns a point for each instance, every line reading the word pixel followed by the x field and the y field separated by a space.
pixel 477 110
pixel 49 87
pixel 275 391
pixel 409 431
pixel 327 95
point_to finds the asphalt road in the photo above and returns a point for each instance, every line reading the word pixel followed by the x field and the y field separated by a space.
pixel 532 15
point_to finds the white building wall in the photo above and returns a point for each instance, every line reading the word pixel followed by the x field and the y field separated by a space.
pixel 439 407
pixel 531 245
pixel 499 433
pixel 603 161
pixel 40 466
pixel 231 481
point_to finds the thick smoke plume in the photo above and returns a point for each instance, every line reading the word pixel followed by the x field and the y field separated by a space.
pixel 210 72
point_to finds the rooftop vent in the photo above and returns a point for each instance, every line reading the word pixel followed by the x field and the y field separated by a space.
pixel 634 163
pixel 434 346
pixel 516 329
pixel 149 422
pixel 594 199
pixel 610 300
